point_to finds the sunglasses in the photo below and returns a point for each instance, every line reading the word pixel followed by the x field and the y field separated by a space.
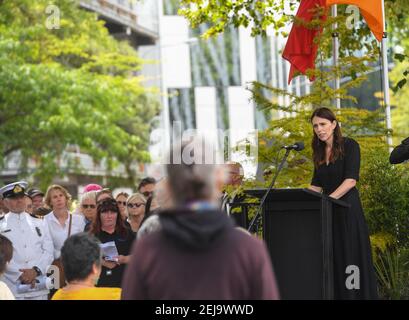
pixel 89 206
pixel 123 203
pixel 135 205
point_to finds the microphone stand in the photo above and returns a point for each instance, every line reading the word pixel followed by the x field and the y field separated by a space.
pixel 256 219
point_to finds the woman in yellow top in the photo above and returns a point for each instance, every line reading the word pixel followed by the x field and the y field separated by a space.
pixel 81 258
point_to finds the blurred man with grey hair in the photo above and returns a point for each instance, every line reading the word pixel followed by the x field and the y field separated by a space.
pixel 234 175
pixel 197 253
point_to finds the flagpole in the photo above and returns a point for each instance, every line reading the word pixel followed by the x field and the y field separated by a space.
pixel 335 54
pixel 385 79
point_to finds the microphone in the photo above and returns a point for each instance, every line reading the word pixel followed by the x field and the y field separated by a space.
pixel 298 146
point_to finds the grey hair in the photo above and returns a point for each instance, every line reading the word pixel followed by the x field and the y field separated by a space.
pixel 192 171
pixel 89 195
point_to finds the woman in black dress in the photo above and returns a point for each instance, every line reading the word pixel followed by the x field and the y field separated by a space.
pixel 108 227
pixel 336 162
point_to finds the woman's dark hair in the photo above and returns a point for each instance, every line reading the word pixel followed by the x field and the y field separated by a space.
pixel 106 205
pixel 6 253
pixel 146 181
pixel 318 146
pixel 78 254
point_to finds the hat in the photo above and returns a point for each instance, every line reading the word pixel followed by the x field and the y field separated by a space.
pixel 14 189
pixel 92 187
pixel 35 192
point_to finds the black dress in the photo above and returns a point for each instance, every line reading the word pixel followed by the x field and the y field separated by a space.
pixel 351 237
pixel 113 277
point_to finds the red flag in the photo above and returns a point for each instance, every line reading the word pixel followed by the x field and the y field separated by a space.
pixel 300 49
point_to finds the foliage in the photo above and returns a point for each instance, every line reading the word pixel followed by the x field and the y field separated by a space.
pixel 263 14
pixel 366 126
pixel 385 196
pixel 400 98
pixel 380 242
pixel 392 269
pixel 70 86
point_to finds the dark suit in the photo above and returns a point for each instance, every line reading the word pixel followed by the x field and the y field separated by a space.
pixel 400 153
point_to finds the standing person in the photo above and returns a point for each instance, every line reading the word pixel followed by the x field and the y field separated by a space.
pixel 103 194
pixel 61 223
pixel 234 179
pixel 88 208
pixel 400 153
pixel 6 253
pixel 32 245
pixel 150 222
pixel 121 201
pixel 147 187
pixel 108 227
pixel 336 172
pixel 197 253
pixel 29 205
pixel 37 196
pixel 81 258
pixel 3 208
pixel 135 211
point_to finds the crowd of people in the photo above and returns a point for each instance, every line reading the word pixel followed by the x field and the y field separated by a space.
pixel 166 241
pixel 174 238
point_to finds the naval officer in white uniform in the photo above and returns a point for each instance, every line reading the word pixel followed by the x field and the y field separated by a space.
pixel 32 244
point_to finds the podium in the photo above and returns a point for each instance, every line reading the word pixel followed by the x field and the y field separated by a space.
pixel 300 228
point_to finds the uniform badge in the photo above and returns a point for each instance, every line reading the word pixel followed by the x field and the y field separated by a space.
pixel 17 189
pixel 38 231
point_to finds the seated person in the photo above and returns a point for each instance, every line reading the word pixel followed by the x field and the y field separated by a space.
pixel 81 258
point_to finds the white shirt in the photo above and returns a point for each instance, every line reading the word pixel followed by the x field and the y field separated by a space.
pixel 5 293
pixel 59 233
pixel 32 246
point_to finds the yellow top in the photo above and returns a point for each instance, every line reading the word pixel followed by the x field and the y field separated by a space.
pixel 88 294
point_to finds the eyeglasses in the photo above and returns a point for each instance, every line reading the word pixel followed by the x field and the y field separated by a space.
pixel 89 206
pixel 135 205
pixel 122 203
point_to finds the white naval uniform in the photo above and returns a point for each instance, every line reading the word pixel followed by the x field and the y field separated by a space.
pixel 32 246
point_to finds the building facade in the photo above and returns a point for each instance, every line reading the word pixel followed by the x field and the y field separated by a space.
pixel 204 81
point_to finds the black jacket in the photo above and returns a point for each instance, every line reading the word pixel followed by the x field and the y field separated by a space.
pixel 400 153
pixel 198 255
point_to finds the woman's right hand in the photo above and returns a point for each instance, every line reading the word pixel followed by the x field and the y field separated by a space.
pixel 109 264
